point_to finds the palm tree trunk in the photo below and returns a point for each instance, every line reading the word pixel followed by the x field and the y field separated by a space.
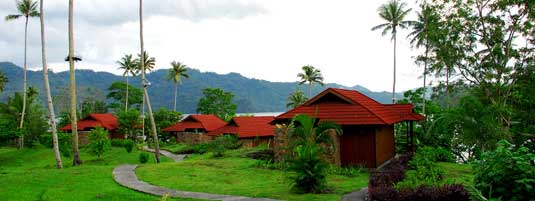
pixel 447 87
pixel 74 127
pixel 176 91
pixel 52 116
pixel 24 95
pixel 143 84
pixel 394 85
pixel 309 90
pixel 126 100
pixel 425 76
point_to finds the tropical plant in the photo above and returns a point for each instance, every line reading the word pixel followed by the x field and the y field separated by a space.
pixel 307 131
pixel 117 92
pixel 74 126
pixel 176 72
pixel 150 62
pixel 128 121
pixel 310 75
pixel 143 157
pixel 217 102
pixel 422 29
pixel 146 63
pixel 26 9
pixel 99 142
pixel 165 118
pixel 128 145
pixel 394 13
pixel 3 81
pixel 129 66
pixel 295 99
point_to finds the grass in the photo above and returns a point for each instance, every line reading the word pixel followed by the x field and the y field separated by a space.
pixel 30 174
pixel 237 175
pixel 176 148
pixel 454 173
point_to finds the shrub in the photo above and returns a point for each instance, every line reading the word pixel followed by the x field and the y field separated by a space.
pixel 99 142
pixel 64 142
pixel 264 154
pixel 310 169
pixel 506 172
pixel 444 193
pixel 143 157
pixel 117 142
pixel 231 142
pixel 201 148
pixel 424 162
pixel 129 145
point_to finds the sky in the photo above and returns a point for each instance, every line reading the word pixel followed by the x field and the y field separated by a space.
pixel 263 39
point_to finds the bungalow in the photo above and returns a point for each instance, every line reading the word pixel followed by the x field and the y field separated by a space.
pixel 107 121
pixel 192 128
pixel 251 131
pixel 368 126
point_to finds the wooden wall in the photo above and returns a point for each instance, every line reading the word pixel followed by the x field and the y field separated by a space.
pixel 384 144
pixel 357 146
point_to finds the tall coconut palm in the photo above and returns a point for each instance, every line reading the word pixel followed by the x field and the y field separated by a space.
pixel 421 33
pixel 145 84
pixel 3 81
pixel 394 13
pixel 74 127
pixel 27 9
pixel 52 115
pixel 129 66
pixel 176 72
pixel 312 76
pixel 150 63
pixel 295 99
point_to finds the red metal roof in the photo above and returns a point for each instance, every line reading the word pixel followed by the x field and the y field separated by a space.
pixel 106 120
pixel 246 127
pixel 350 107
pixel 208 122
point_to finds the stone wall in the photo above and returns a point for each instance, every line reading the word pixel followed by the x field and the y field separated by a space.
pixel 192 137
pixel 253 142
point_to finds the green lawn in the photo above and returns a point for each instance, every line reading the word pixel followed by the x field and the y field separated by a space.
pixel 457 173
pixel 176 147
pixel 30 174
pixel 237 175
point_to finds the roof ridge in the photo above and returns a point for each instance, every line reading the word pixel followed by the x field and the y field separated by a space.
pixel 363 105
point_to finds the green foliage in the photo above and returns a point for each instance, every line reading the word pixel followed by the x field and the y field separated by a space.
pixel 35 122
pixel 128 121
pixel 99 142
pixel 129 145
pixel 117 93
pixel 165 118
pixel 424 162
pixel 311 75
pixel 92 106
pixel 220 144
pixel 3 81
pixel 304 131
pixel 296 98
pixel 64 142
pixel 507 172
pixel 143 157
pixel 217 102
pixel 310 170
pixel 345 171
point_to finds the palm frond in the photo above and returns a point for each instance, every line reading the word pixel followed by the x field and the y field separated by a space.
pixel 12 17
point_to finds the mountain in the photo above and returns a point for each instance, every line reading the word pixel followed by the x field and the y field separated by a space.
pixel 251 95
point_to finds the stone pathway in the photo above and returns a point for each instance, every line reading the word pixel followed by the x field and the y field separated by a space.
pixel 125 175
pixel 359 195
pixel 176 157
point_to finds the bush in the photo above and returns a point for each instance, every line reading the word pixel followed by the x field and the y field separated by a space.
pixel 64 142
pixel 201 148
pixel 129 145
pixel 143 157
pixel 264 154
pixel 310 169
pixel 506 172
pixel 117 142
pixel 99 142
pixel 424 162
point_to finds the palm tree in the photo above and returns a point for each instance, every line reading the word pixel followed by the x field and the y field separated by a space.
pixel 176 72
pixel 52 115
pixel 3 81
pixel 150 62
pixel 310 75
pixel 309 131
pixel 422 28
pixel 128 64
pixel 27 9
pixel 142 58
pixel 295 99
pixel 74 127
pixel 393 12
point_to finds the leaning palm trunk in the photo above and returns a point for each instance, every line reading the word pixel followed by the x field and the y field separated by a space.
pixel 52 116
pixel 144 85
pixel 176 92
pixel 394 85
pixel 24 95
pixel 74 127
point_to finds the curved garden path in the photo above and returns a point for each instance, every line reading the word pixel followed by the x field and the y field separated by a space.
pixel 125 175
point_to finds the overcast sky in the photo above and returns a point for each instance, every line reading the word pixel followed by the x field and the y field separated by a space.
pixel 263 39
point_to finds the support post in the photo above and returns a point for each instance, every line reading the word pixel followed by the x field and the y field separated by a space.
pixel 412 135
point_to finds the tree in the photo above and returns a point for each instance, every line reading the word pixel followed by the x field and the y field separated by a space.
pixel 422 29
pixel 99 142
pixel 91 107
pixel 27 9
pixel 295 99
pixel 128 120
pixel 217 102
pixel 3 81
pixel 128 65
pixel 150 62
pixel 310 75
pixel 50 104
pixel 117 91
pixel 74 127
pixel 394 13
pixel 166 118
pixel 177 71
pixel 143 55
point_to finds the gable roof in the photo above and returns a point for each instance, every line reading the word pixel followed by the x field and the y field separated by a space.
pixel 208 122
pixel 245 127
pixel 352 108
pixel 105 120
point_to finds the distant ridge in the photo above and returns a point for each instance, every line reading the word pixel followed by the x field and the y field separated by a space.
pixel 251 95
